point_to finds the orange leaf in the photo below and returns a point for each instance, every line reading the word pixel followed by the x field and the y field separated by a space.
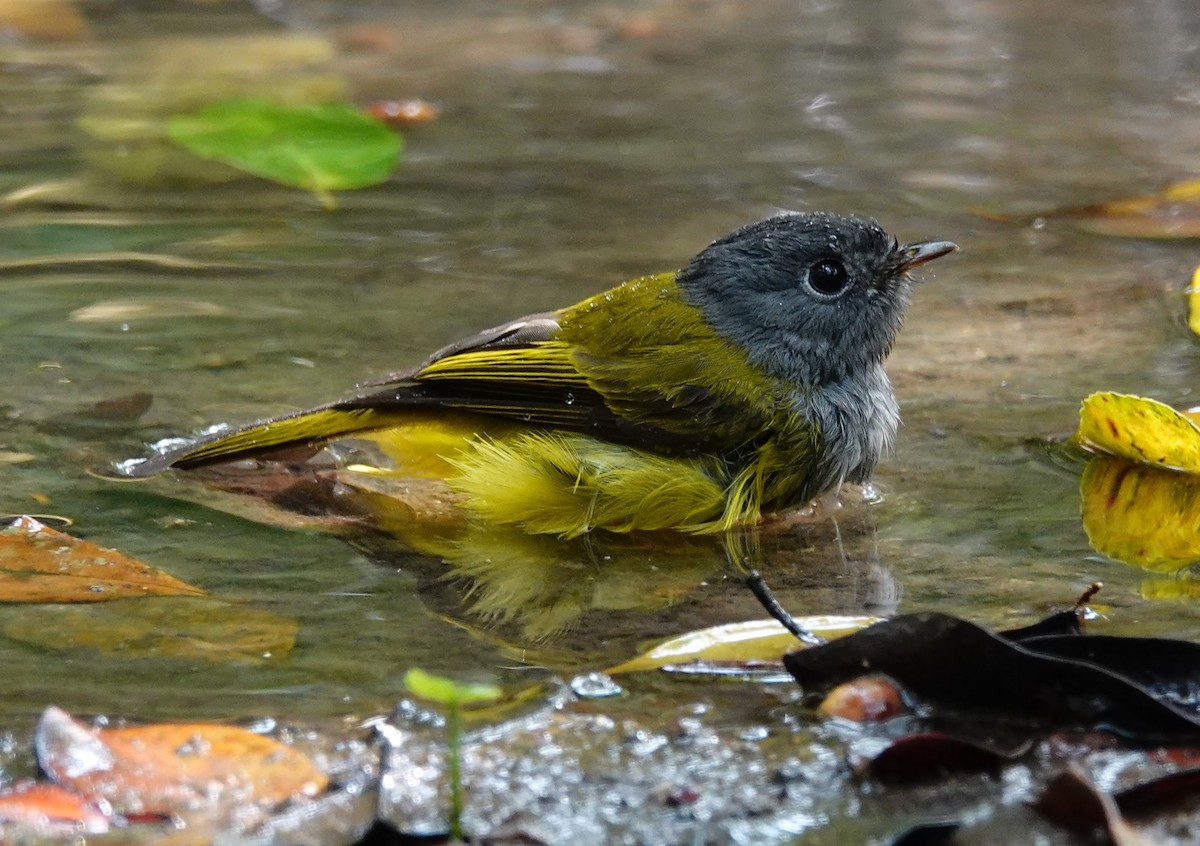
pixel 403 112
pixel 866 699
pixel 48 807
pixel 1173 212
pixel 168 768
pixel 40 564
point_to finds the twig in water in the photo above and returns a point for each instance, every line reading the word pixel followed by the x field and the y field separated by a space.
pixel 762 593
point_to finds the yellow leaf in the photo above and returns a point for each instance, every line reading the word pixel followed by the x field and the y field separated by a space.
pixel 1194 303
pixel 1172 213
pixel 1141 515
pixel 1142 430
pixel 172 767
pixel 41 564
pixel 42 20
pixel 1183 587
pixel 1187 191
pixel 755 640
pixel 1152 226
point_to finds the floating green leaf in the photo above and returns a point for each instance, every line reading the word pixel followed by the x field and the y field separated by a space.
pixel 446 691
pixel 321 148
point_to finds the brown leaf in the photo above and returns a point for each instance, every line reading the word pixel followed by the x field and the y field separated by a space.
pixel 123 409
pixel 1070 799
pixel 50 808
pixel 40 564
pixel 170 768
pixel 1159 794
pixel 43 20
pixel 934 755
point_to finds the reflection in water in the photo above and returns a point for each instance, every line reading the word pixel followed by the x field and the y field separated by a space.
pixel 544 587
pixel 1142 515
pixel 538 587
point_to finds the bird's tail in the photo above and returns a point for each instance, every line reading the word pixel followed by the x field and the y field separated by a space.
pixel 304 428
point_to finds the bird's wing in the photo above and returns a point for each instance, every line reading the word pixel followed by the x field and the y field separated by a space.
pixel 532 329
pixel 629 366
pixel 546 382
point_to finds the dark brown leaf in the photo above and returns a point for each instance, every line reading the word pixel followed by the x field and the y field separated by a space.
pixel 1071 800
pixel 1152 796
pixel 957 666
pixel 942 833
pixel 934 755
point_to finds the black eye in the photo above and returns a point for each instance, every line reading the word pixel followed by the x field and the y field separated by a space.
pixel 828 277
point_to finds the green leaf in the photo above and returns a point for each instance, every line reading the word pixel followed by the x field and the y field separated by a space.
pixel 321 148
pixel 446 691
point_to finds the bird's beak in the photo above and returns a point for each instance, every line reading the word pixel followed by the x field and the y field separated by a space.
pixel 915 255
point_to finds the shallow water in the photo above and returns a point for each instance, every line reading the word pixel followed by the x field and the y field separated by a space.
pixel 581 144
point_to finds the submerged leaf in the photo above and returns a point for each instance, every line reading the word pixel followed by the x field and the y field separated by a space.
pixel 40 564
pixel 321 148
pixel 1071 799
pixel 1160 793
pixel 1140 429
pixel 123 311
pixel 1187 191
pixel 936 833
pixel 199 628
pixel 1166 224
pixel 1172 213
pixel 49 808
pixel 1182 586
pixel 934 755
pixel 754 640
pixel 1194 303
pixel 172 767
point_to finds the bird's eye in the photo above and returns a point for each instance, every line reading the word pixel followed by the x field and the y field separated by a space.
pixel 828 277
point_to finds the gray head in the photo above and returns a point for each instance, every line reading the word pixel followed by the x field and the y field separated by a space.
pixel 813 298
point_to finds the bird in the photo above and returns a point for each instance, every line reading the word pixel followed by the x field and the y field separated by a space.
pixel 745 384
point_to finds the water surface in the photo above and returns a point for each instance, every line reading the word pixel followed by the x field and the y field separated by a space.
pixel 580 144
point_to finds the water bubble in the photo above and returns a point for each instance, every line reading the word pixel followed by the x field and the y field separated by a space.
pixel 595 686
